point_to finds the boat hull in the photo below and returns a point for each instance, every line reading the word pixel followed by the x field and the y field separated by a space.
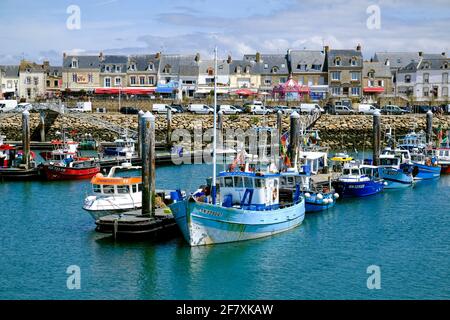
pixel 53 172
pixel 312 204
pixel 445 169
pixel 206 224
pixel 396 178
pixel 15 174
pixel 424 172
pixel 354 189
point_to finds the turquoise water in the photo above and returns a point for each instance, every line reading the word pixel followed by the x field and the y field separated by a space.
pixel 405 232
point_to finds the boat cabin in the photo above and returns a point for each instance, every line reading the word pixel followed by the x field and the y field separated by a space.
pixel 354 172
pixel 249 190
pixel 314 159
pixel 390 160
pixel 413 140
pixel 403 155
pixel 115 185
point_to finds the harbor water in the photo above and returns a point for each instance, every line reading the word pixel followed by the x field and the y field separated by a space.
pixel 404 232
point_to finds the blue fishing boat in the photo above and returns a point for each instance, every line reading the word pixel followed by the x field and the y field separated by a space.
pixel 423 167
pixel 248 208
pixel 395 177
pixel 358 181
pixel 122 147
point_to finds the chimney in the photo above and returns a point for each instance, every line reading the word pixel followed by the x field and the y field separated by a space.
pixel 100 56
pixel 443 54
pixel 258 57
pixel 64 55
pixel 46 63
pixel 158 55
pixel 229 60
pixel 326 49
pixel 420 53
pixel 358 47
pixel 197 57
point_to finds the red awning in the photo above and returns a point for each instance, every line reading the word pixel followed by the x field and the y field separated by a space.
pixel 245 92
pixel 374 89
pixel 136 91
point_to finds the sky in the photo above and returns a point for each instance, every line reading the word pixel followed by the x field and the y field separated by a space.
pixel 39 30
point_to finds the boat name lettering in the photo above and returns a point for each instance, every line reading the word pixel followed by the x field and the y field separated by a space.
pixel 212 213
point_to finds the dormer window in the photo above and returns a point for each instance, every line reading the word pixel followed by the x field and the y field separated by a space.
pixel 118 69
pixel 150 66
pixel 371 74
pixel 247 69
pixel 238 69
pixel 210 71
pixel 353 62
pixel 167 68
pixel 445 66
pixel 426 65
pixel 283 65
pixel 74 63
pixel 108 68
pixel 133 67
pixel 337 61
pixel 274 70
pixel 407 78
pixel 266 66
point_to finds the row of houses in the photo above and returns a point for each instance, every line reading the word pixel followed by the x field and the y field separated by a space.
pixel 315 74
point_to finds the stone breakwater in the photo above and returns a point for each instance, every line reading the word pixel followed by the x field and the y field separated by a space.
pixel 335 131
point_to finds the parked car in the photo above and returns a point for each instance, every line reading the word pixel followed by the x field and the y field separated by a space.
pixel 341 109
pixel 283 109
pixel 392 109
pixel 239 108
pixel 257 109
pixel 7 105
pixel 162 108
pixel 228 109
pixel 200 109
pixel 446 108
pixel 421 108
pixel 129 110
pixel 363 108
pixel 81 107
pixel 309 108
pixel 178 107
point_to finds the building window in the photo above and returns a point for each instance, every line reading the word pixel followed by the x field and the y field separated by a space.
pixel 118 81
pixel 355 91
pixel 445 91
pixel 151 80
pixel 445 78
pixel 247 69
pixel 107 82
pixel 283 80
pixel 266 66
pixel 74 63
pixel 283 65
pixel 56 83
pixel 371 74
pixel 371 83
pixel 426 78
pixel 426 65
pixel 28 80
pixel 133 80
pixel 408 78
pixel 335 91
pixel 336 76
pixel 353 62
pixel 426 92
pixel 167 69
pixel 268 82
pixel 150 66
pixel 74 77
pixel 316 67
pixel 29 93
pixel 274 70
pixel 48 83
pixel 210 71
pixel 238 69
pixel 381 83
pixel 141 81
pixel 118 69
pixel 337 62
pixel 36 81
pixel 133 67
pixel 90 78
pixel 355 76
pixel 9 84
pixel 107 68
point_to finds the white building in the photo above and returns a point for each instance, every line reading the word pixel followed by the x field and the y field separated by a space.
pixel 432 79
pixel 32 79
pixel 205 83
pixel 9 81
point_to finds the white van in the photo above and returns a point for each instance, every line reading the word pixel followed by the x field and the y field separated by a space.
pixel 162 108
pixel 200 109
pixel 82 107
pixel 366 109
pixel 7 105
pixel 309 108
pixel 229 109
pixel 258 109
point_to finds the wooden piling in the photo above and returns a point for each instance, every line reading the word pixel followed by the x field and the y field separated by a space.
pixel 147 138
pixel 376 138
pixel 140 114
pixel 169 126
pixel 26 138
pixel 429 127
pixel 279 134
pixel 294 135
pixel 42 125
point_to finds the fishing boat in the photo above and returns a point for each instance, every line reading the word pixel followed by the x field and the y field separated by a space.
pixel 71 169
pixel 389 170
pixel 358 180
pixel 247 207
pixel 88 143
pixel 124 147
pixel 443 159
pixel 11 164
pixel 422 166
pixel 116 193
pixel 413 140
pixel 61 150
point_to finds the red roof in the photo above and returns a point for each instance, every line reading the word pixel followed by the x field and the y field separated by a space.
pixel 136 91
pixel 373 89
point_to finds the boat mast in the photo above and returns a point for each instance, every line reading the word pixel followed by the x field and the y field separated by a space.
pixel 213 187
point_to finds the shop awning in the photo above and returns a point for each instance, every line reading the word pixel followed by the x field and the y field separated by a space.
pixel 245 92
pixel 373 89
pixel 165 89
pixel 135 91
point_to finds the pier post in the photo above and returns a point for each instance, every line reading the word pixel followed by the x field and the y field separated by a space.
pixel 26 138
pixel 429 127
pixel 220 136
pixel 140 114
pixel 42 125
pixel 147 139
pixel 294 136
pixel 376 138
pixel 279 134
pixel 169 126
